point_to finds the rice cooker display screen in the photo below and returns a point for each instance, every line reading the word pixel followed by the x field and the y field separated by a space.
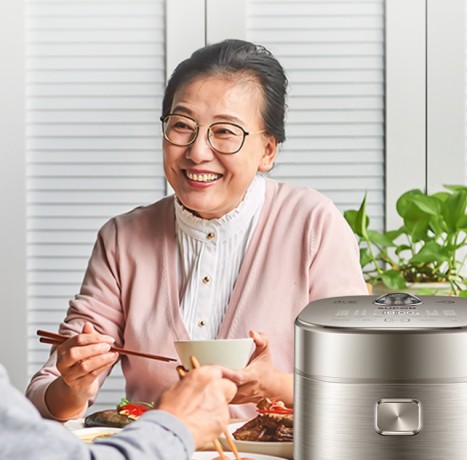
pixel 388 312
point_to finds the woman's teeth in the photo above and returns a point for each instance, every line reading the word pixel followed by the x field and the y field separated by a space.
pixel 202 177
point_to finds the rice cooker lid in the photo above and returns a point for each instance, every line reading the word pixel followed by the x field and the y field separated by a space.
pixel 390 311
pixel 393 338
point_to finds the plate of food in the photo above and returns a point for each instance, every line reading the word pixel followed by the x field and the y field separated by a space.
pixel 269 433
pixel 93 434
pixel 125 413
pixel 244 456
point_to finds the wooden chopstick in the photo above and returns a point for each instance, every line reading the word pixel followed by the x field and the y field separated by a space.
pixel 57 339
pixel 217 444
pixel 230 442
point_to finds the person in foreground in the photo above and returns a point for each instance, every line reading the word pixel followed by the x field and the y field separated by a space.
pixel 189 415
pixel 230 252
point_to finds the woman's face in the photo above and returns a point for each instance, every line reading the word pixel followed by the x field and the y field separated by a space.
pixel 207 182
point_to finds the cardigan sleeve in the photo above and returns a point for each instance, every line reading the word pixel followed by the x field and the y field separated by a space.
pixel 98 302
pixel 335 260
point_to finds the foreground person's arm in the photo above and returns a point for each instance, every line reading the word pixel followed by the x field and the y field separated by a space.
pixel 195 412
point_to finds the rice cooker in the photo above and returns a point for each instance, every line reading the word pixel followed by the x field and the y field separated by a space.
pixel 381 378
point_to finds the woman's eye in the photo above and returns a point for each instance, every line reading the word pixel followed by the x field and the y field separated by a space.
pixel 182 126
pixel 224 131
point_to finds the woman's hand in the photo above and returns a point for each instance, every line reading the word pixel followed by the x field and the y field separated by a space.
pixel 80 360
pixel 200 402
pixel 259 379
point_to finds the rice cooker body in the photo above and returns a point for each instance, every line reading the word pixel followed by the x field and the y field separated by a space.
pixel 381 378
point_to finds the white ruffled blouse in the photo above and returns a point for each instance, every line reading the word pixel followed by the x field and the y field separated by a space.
pixel 210 255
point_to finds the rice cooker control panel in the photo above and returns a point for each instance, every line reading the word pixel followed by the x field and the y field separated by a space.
pixel 395 310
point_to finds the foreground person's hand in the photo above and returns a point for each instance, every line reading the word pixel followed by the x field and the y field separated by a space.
pixel 260 379
pixel 200 401
pixel 80 360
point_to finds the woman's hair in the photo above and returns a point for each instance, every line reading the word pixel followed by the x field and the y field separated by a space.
pixel 231 57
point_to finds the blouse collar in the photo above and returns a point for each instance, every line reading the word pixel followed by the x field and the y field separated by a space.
pixel 233 223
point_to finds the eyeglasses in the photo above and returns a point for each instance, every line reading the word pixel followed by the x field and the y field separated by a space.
pixel 223 137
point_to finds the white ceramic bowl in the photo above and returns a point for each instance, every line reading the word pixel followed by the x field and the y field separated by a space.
pixel 230 353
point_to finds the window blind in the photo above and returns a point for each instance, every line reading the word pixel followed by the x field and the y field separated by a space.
pixel 95 79
pixel 333 54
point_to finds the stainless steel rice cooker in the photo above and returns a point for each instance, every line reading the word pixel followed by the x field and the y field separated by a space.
pixel 379 378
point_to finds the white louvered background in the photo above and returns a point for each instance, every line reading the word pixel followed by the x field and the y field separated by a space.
pixel 333 54
pixel 95 79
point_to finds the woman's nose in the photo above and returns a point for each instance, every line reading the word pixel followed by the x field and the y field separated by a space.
pixel 200 150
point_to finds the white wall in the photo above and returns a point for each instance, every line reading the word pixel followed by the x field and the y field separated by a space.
pixel 12 192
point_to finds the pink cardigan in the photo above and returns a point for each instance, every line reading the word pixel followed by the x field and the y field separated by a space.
pixel 302 250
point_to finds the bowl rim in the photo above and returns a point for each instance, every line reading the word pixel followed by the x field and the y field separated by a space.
pixel 249 339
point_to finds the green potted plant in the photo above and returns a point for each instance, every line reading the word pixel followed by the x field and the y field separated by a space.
pixel 429 247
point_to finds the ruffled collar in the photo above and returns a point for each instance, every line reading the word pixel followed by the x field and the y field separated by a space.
pixel 233 223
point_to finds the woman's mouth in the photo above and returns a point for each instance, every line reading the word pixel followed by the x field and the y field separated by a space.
pixel 202 177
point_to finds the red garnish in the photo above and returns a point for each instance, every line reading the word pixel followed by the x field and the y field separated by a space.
pixel 136 410
pixel 276 409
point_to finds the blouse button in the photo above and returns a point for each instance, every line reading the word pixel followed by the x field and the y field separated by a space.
pixel 206 280
pixel 210 235
pixel 202 323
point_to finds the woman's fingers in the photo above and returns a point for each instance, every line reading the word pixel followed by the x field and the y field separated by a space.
pixel 84 373
pixel 92 368
pixel 68 354
pixel 81 358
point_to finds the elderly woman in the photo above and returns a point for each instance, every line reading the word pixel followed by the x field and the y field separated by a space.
pixel 231 252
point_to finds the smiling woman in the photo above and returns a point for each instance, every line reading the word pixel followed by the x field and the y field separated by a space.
pixel 212 172
pixel 230 253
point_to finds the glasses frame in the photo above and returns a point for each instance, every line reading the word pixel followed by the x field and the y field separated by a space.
pixel 209 132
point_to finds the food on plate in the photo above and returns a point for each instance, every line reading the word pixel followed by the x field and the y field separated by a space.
pixel 124 414
pixel 274 423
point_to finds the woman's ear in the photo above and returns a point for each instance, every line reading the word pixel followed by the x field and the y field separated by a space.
pixel 269 154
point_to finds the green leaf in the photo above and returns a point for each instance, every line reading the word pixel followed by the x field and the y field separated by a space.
pixel 418 227
pixel 404 204
pixel 427 204
pixel 379 238
pixel 351 218
pixel 456 188
pixel 123 402
pixel 454 210
pixel 393 234
pixel 394 279
pixel 442 196
pixel 365 257
pixel 462 293
pixel 362 221
pixel 358 220
pixel 416 220
pixel 430 252
pixel 462 223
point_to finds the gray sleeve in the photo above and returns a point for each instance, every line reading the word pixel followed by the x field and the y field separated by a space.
pixel 24 434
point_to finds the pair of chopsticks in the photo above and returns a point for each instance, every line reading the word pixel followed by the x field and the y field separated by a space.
pixel 57 339
pixel 217 444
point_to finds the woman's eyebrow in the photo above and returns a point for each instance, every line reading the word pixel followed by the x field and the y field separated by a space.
pixel 181 108
pixel 220 117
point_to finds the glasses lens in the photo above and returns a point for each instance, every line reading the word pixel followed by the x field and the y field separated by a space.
pixel 179 130
pixel 226 137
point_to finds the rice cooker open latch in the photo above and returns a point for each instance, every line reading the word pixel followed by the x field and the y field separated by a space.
pixel 381 378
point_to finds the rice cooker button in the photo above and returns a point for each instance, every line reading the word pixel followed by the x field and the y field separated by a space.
pixel 398 417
